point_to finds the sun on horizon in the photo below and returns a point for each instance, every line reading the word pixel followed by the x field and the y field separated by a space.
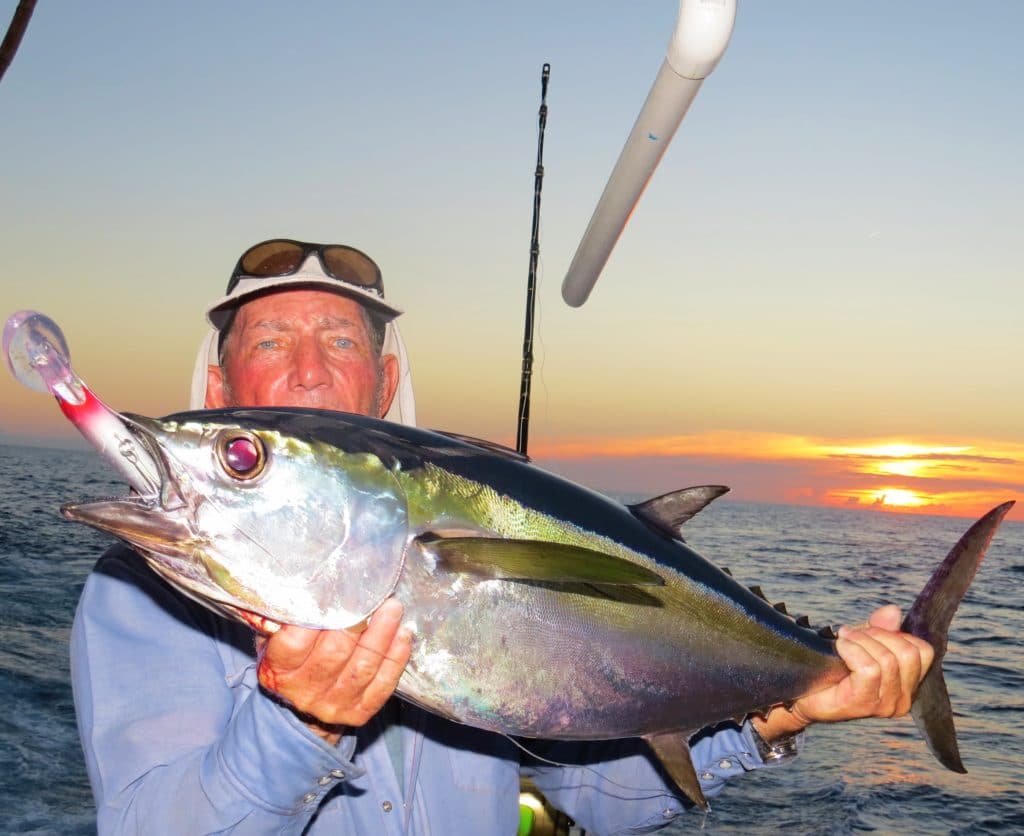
pixel 948 477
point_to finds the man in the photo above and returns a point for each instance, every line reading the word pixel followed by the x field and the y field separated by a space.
pixel 188 729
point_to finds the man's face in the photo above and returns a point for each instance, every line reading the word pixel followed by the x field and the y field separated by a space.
pixel 309 348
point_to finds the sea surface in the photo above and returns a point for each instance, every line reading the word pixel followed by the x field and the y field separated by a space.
pixel 833 565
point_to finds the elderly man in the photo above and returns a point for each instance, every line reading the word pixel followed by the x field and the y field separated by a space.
pixel 188 727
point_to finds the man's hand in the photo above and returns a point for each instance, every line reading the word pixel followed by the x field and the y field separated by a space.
pixel 886 666
pixel 337 678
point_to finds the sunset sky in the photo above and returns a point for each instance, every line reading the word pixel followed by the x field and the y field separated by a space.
pixel 818 300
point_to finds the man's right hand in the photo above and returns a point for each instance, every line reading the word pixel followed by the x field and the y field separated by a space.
pixel 337 678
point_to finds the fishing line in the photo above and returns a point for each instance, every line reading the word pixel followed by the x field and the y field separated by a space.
pixel 653 792
pixel 542 349
pixel 540 271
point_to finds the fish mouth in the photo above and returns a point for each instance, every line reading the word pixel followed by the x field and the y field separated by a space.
pixel 138 520
pixel 147 520
pixel 147 432
pixel 158 522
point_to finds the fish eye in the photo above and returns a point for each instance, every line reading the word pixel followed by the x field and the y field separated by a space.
pixel 241 454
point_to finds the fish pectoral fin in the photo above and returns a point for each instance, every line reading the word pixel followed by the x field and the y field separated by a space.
pixel 668 512
pixel 536 560
pixel 673 751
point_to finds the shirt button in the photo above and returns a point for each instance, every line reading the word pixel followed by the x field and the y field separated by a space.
pixel 668 813
pixel 309 797
pixel 707 776
pixel 387 806
pixel 324 780
pixel 724 763
pixel 337 773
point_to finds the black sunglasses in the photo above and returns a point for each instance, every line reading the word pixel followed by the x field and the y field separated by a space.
pixel 284 257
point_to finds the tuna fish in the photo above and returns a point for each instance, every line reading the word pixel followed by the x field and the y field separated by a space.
pixel 539 608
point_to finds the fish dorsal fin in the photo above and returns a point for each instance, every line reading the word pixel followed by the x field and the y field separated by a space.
pixel 535 560
pixel 483 443
pixel 668 512
pixel 673 751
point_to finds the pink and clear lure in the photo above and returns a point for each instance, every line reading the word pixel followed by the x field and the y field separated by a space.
pixel 37 355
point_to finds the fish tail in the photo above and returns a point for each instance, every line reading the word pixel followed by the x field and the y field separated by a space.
pixel 929 619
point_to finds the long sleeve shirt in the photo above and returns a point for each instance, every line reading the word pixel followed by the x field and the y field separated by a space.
pixel 179 738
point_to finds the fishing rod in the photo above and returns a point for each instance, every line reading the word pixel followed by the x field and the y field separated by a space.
pixel 701 35
pixel 523 428
pixel 15 32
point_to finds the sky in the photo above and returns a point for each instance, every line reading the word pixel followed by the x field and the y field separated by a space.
pixel 818 300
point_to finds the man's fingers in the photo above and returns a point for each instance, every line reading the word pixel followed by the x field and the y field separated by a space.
pixel 887 618
pixel 385 681
pixel 383 626
pixel 866 660
pixel 885 668
pixel 371 673
pixel 372 648
pixel 914 656
pixel 340 677
pixel 290 647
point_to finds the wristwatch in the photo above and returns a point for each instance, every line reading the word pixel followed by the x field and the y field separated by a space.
pixel 781 749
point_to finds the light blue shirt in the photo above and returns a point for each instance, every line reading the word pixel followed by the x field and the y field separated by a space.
pixel 179 738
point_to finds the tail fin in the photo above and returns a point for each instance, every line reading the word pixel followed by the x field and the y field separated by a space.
pixel 929 619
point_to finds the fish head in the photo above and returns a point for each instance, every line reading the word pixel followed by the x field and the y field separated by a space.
pixel 261 525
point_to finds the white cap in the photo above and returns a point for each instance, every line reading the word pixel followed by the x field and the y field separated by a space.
pixel 310 274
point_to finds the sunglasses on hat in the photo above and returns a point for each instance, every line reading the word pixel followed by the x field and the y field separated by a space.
pixel 283 257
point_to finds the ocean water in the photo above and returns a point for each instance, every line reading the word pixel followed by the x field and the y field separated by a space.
pixel 877 775
pixel 833 565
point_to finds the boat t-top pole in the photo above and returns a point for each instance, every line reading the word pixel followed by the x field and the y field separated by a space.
pixel 701 35
pixel 523 427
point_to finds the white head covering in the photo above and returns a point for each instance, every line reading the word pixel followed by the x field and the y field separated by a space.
pixel 403 406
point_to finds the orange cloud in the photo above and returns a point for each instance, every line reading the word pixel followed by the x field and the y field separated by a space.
pixel 961 478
